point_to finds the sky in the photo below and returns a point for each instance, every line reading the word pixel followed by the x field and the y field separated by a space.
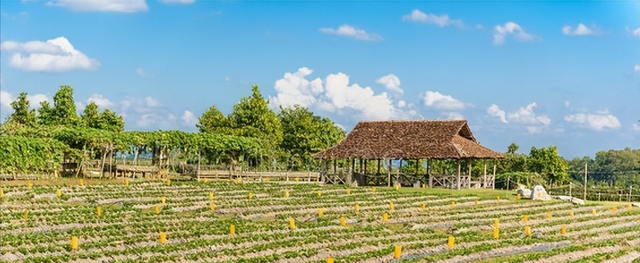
pixel 537 73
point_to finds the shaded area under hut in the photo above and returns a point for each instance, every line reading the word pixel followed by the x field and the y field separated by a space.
pixel 385 143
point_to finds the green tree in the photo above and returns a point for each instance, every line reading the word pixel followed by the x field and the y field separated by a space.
pixel 21 113
pixel 111 121
pixel 305 134
pixel 213 121
pixel 45 114
pixel 64 107
pixel 251 117
pixel 512 162
pixel 91 116
pixel 548 163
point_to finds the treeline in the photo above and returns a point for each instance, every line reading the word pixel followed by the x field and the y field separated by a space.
pixel 612 168
pixel 40 141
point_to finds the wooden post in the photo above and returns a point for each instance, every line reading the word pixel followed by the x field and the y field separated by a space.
pixel 335 166
pixel 494 174
pixel 459 174
pixel 398 174
pixel 429 173
pixel 469 180
pixel 365 167
pixel 378 167
pixel 484 172
pixel 389 174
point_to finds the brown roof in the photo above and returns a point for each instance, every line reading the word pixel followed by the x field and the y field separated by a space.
pixel 423 139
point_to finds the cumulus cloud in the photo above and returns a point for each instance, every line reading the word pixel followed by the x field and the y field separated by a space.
pixel 350 31
pixel 534 123
pixel 391 82
pixel 596 121
pixel 580 30
pixel 188 118
pixel 437 100
pixel 336 95
pixel 128 6
pixel 5 99
pixel 511 28
pixel 441 21
pixel 495 111
pixel 146 113
pixel 99 100
pixel 453 115
pixel 636 32
pixel 54 55
pixel 184 2
pixel 637 68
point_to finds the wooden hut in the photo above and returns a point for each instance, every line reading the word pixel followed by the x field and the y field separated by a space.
pixel 413 140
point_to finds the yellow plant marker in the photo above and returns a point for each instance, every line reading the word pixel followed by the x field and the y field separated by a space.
pixel 397 251
pixel 292 224
pixel 126 183
pixel 168 182
pixel 527 231
pixel 331 260
pixel 29 185
pixel 424 206
pixel 525 218
pixel 81 182
pixel 157 209
pixel 232 230
pixel 593 211
pixel 390 205
pixel 424 186
pixel 163 238
pixel 475 203
pixel 297 179
pixel 319 193
pixel 498 198
pixel 343 221
pixel 58 193
pixel 1 193
pixel 629 207
pixel 496 223
pixel 385 217
pixel 212 206
pixel 549 215
pixel 74 243
pixel 496 233
pixel 320 212
pixel 571 213
pixel 451 242
pixel 373 189
pixel 348 191
pixel 250 195
pixel 25 215
pixel 205 180
pixel 163 200
pixel 563 230
pixel 286 194
pixel 518 197
pixel 210 196
pixel 453 203
pixel 614 209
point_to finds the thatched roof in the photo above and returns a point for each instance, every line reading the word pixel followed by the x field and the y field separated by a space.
pixel 423 139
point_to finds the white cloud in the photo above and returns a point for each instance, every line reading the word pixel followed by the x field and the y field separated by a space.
pixel 440 101
pixel 151 102
pixel 636 32
pixel 453 115
pixel 5 99
pixel 637 68
pixel 141 73
pixel 99 100
pixel 391 82
pixel 177 1
pixel 146 113
pixel 495 111
pixel 580 30
pixel 567 103
pixel 511 28
pixel 35 99
pixel 441 21
pixel 533 122
pixel 635 128
pixel 350 31
pixel 337 96
pixel 188 118
pixel 125 6
pixel 596 121
pixel 54 55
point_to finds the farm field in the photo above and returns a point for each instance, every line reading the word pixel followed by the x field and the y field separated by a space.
pixel 302 222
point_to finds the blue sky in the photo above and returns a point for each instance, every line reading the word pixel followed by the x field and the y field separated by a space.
pixel 537 73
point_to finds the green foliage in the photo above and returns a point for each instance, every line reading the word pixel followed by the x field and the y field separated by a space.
pixel 213 121
pixel 22 114
pixel 107 120
pixel 21 155
pixel 64 108
pixel 305 134
pixel 251 117
pixel 547 162
pixel 45 114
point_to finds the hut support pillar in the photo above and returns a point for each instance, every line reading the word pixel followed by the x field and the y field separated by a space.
pixel 364 170
pixel 398 174
pixel 335 166
pixel 429 173
pixel 494 174
pixel 389 174
pixel 459 174
pixel 350 172
pixel 378 166
pixel 469 180
pixel 484 172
